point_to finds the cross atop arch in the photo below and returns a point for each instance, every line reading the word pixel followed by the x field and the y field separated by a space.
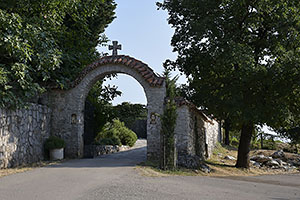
pixel 115 47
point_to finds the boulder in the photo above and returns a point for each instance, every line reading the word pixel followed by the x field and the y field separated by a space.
pixel 261 158
pixel 278 154
pixel 272 163
pixel 295 163
pixel 280 162
pixel 229 158
pixel 255 164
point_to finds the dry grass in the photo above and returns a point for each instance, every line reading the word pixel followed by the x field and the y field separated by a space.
pixel 220 166
pixel 20 169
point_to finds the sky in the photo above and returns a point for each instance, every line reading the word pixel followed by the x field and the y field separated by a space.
pixel 144 34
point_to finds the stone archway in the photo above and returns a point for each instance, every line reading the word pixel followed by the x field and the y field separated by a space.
pixel 68 106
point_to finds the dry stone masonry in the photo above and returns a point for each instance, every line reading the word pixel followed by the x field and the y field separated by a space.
pixel 68 106
pixel 196 134
pixel 22 134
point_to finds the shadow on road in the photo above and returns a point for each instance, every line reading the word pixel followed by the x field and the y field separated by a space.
pixel 129 158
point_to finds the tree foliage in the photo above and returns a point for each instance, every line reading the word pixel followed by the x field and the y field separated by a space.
pixel 290 129
pixel 47 42
pixel 242 59
pixel 168 123
pixel 129 113
pixel 100 96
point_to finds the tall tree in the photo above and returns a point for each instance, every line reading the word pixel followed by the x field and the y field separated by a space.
pixel 241 57
pixel 168 123
pixel 45 42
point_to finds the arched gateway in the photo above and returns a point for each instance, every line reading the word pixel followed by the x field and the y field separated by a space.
pixel 67 119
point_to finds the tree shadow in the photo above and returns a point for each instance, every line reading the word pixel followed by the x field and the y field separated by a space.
pixel 219 164
pixel 129 158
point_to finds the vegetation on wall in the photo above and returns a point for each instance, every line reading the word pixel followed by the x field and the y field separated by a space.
pixel 48 42
pixel 242 60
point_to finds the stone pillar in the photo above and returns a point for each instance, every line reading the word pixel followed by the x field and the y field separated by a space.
pixel 155 110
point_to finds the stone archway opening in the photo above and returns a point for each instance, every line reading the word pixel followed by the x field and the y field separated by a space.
pixel 103 105
pixel 68 106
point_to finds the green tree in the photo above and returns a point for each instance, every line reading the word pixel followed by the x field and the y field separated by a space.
pixel 100 97
pixel 47 42
pixel 129 113
pixel 242 59
pixel 291 129
pixel 168 123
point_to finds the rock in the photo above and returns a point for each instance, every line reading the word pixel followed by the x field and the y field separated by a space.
pixel 280 162
pixel 272 163
pixel 229 158
pixel 204 168
pixel 255 164
pixel 261 158
pixel 278 154
pixel 295 163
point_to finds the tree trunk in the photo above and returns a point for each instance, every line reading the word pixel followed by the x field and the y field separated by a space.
pixel 243 160
pixel 226 127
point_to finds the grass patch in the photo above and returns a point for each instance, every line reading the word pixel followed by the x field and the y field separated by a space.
pixel 218 164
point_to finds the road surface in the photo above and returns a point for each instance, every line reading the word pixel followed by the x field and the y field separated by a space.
pixel 115 177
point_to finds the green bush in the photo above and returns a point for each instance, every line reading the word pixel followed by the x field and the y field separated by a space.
pixel 110 141
pixel 54 142
pixel 234 142
pixel 269 144
pixel 117 132
pixel 255 144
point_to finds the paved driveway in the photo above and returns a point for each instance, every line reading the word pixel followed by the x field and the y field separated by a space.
pixel 114 177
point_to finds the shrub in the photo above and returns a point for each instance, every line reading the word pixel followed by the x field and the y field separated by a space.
pixel 54 142
pixel 128 137
pixel 117 132
pixel 269 144
pixel 255 144
pixel 110 141
pixel 234 142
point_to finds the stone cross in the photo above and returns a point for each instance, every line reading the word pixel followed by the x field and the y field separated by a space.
pixel 115 47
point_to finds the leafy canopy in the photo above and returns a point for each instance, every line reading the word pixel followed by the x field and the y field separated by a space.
pixel 47 42
pixel 242 57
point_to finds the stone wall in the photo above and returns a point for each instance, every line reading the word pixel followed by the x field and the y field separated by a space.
pixel 22 135
pixel 92 151
pixel 196 136
pixel 213 135
pixel 67 118
pixel 140 128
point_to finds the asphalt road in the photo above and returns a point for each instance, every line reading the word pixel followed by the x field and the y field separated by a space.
pixel 115 177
